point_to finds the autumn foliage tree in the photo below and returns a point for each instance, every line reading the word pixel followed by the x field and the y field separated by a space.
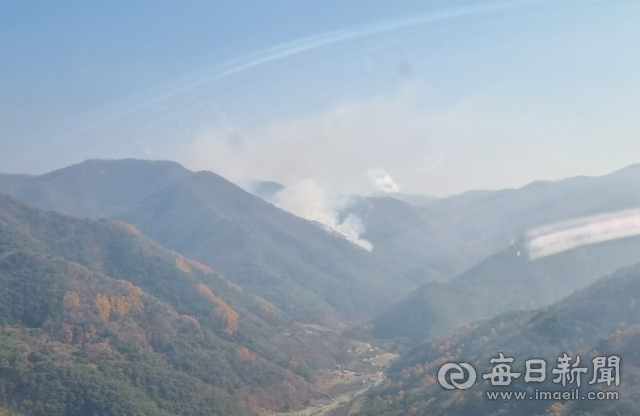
pixel 222 310
pixel 103 307
pixel 71 300
pixel 245 354
pixel 230 317
pixel 124 304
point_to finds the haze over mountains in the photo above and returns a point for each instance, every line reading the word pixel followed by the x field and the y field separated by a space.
pixel 494 219
pixel 506 281
pixel 601 320
pixel 436 264
pixel 466 230
pixel 476 224
pixel 309 273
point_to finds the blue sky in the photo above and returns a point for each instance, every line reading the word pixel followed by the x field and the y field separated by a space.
pixel 445 96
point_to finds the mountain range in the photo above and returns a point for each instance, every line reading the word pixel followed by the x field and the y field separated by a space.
pixel 141 287
pixel 310 274
pixel 487 228
pixel 602 320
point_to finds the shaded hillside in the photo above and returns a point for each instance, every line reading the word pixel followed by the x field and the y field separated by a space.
pixel 414 247
pixel 95 318
pixel 421 249
pixel 310 274
pixel 290 261
pixel 503 282
pixel 602 320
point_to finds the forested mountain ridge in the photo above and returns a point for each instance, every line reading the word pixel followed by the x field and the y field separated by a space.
pixel 601 320
pixel 310 274
pixel 239 336
pixel 98 319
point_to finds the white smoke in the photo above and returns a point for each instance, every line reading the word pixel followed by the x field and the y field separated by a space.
pixel 307 200
pixel 383 181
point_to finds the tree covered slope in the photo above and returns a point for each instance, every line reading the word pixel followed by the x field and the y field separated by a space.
pixel 96 318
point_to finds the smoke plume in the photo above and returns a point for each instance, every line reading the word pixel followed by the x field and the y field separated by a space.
pixel 307 200
pixel 383 181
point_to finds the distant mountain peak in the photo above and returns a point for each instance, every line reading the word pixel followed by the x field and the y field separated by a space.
pixel 116 163
pixel 634 168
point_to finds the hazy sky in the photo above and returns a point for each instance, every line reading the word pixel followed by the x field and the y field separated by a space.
pixel 444 96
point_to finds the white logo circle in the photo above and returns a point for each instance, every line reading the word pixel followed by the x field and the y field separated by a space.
pixel 457 372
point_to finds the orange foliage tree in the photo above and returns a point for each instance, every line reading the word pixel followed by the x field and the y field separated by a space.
pixel 123 304
pixel 131 288
pixel 228 315
pixel 245 354
pixel 103 306
pixel 71 300
pixel 221 310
